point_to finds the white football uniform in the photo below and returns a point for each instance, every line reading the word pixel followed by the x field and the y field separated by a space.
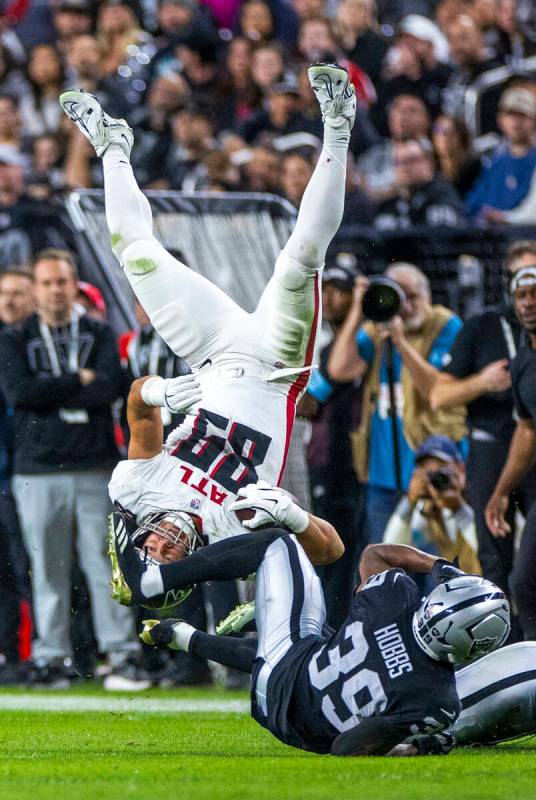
pixel 240 434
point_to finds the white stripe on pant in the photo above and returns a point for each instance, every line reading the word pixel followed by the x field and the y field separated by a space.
pixel 286 586
pixel 51 508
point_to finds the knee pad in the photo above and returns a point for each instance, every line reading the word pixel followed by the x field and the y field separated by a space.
pixel 290 273
pixel 141 257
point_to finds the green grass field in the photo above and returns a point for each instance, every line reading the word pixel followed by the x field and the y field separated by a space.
pixel 125 753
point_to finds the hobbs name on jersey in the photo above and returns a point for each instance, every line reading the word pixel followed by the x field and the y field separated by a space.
pixel 393 651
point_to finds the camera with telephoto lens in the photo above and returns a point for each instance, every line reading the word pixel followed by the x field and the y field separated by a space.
pixel 440 479
pixel 383 300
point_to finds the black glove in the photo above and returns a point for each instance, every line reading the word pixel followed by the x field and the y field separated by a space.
pixel 444 571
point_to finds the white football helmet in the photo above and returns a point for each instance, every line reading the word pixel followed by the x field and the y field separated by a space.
pixel 183 532
pixel 462 619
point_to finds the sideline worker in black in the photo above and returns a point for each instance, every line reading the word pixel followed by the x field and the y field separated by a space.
pixel 521 454
pixel 478 375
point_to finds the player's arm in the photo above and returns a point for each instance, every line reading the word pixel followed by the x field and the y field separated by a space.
pixel 380 557
pixel 520 459
pixel 144 422
pixel 273 506
pixel 146 397
pixel 449 391
pixel 374 736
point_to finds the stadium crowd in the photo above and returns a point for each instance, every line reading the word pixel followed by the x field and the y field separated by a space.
pixel 410 423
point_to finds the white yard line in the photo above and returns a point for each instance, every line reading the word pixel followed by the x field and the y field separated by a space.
pixel 150 705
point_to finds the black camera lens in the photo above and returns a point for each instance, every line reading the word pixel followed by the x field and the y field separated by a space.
pixel 382 300
pixel 440 479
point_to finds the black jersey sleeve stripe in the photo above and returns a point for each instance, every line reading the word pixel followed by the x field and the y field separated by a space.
pixel 458 607
pixel 493 688
pixel 298 590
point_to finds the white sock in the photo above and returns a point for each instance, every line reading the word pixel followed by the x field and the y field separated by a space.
pixel 322 204
pixel 128 212
pixel 182 633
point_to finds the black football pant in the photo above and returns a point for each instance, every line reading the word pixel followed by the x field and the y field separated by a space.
pixel 484 465
pixel 524 577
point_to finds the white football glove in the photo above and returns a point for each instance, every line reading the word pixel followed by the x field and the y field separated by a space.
pixel 272 507
pixel 178 395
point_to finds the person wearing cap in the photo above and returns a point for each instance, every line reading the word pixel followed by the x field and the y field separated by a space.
pixel 433 515
pixel 333 408
pixel 91 301
pixel 282 115
pixel 417 63
pixel 521 454
pixel 478 376
pixel 506 179
pixel 422 335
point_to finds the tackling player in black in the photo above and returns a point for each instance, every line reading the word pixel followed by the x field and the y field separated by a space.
pixel 386 674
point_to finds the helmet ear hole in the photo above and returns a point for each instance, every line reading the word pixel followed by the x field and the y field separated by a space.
pixel 462 619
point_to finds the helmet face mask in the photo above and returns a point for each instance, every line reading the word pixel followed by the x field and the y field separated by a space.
pixel 462 619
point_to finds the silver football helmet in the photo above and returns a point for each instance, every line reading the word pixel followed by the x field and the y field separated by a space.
pixel 462 619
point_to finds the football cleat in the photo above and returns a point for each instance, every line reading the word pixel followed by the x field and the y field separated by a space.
pixel 121 591
pixel 168 633
pixel 102 130
pixel 237 619
pixel 334 92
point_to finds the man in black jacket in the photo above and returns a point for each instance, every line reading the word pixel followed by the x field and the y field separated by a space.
pixel 422 197
pixel 60 372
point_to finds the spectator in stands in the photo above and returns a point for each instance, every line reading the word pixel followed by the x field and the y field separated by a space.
pixel 16 304
pixel 282 115
pixel 477 376
pixel 434 515
pixel 358 208
pixel 12 79
pixel 117 29
pixel 417 63
pixel 84 69
pixel 408 118
pixel 296 170
pixel 262 170
pixel 333 408
pixel 46 175
pixel 26 225
pixel 239 94
pixel 472 60
pixel 506 178
pixel 421 336
pixel 521 454
pixel 10 127
pixel 60 373
pixel 90 301
pixel 200 70
pixel 453 150
pixel 183 19
pixel 38 110
pixel 16 295
pixel 422 197
pixel 267 66
pixel 256 21
pixel 152 128
pixel 71 18
pixel 359 36
pixel 512 42
pixel 192 130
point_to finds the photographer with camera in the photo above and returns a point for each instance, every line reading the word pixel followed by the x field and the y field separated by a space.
pixel 433 515
pixel 396 353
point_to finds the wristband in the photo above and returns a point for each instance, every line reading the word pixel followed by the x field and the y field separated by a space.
pixel 296 519
pixel 153 392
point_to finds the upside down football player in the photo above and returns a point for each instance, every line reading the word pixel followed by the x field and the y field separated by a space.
pixel 248 369
pixel 385 675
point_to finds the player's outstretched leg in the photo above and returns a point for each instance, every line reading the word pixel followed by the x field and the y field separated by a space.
pixel 170 293
pixel 289 308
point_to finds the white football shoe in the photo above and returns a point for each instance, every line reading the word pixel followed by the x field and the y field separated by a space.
pixel 334 92
pixel 100 128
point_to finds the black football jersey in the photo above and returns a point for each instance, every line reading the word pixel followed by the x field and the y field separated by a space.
pixel 372 665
